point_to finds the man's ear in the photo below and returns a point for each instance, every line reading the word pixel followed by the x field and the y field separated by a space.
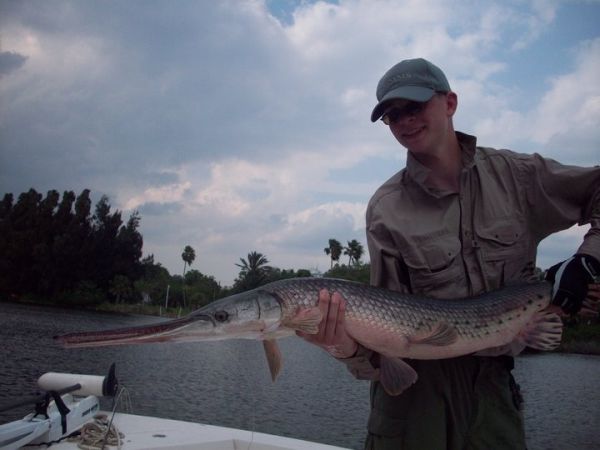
pixel 451 103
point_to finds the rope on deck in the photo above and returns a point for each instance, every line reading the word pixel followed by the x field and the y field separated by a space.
pixel 98 434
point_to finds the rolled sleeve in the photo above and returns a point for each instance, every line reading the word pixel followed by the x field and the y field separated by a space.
pixel 560 196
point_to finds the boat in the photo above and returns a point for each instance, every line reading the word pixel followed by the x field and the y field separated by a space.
pixel 67 416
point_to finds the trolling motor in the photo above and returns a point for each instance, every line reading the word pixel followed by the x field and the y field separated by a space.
pixel 68 401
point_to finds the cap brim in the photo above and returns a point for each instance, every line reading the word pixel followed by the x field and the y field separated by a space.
pixel 413 93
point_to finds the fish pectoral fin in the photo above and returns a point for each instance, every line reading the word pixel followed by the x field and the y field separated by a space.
pixel 274 359
pixel 543 331
pixel 441 334
pixel 395 375
pixel 306 320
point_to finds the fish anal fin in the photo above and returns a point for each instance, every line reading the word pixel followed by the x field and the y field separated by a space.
pixel 273 355
pixel 306 320
pixel 543 331
pixel 441 334
pixel 395 375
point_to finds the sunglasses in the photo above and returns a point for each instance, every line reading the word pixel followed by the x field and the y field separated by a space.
pixel 410 109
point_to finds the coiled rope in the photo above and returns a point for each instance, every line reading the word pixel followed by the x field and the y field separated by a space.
pixel 98 434
pixel 102 432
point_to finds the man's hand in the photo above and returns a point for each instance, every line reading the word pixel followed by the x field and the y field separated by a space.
pixel 571 279
pixel 332 334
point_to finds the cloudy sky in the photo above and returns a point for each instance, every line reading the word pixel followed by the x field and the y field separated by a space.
pixel 236 125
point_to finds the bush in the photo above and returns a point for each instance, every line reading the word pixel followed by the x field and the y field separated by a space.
pixel 358 272
pixel 85 294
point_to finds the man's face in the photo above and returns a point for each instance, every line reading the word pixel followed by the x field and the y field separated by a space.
pixel 421 127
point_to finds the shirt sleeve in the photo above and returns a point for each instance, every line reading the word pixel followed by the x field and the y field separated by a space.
pixel 560 196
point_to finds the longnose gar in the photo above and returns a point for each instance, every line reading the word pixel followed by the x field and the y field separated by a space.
pixel 393 324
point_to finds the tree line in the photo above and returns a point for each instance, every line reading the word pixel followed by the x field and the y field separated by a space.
pixel 58 249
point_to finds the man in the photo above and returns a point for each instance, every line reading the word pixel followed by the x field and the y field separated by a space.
pixel 459 220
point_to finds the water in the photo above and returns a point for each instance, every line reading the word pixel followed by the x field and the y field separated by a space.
pixel 228 383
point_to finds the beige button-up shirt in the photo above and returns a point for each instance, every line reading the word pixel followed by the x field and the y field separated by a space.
pixel 448 245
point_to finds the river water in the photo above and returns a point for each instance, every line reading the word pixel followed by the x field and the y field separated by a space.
pixel 228 383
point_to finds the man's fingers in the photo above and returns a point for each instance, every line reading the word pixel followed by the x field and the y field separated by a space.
pixel 340 328
pixel 323 304
pixel 332 319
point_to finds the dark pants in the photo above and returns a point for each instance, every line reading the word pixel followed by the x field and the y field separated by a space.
pixel 464 403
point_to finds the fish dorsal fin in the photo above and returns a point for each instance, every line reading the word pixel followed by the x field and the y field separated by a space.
pixel 274 359
pixel 395 375
pixel 306 320
pixel 441 334
pixel 543 331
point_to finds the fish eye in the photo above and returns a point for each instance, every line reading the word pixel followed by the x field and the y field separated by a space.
pixel 221 316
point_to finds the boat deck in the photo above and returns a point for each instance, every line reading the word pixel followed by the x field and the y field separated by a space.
pixel 151 433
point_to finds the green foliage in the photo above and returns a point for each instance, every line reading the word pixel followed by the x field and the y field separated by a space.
pixel 121 288
pixel 581 336
pixel 53 248
pixel 188 256
pixel 581 331
pixel 153 282
pixel 357 272
pixel 61 249
pixel 85 293
pixel 201 289
pixel 334 251
pixel 283 274
pixel 354 250
pixel 254 272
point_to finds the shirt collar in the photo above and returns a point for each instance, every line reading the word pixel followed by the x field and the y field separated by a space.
pixel 418 172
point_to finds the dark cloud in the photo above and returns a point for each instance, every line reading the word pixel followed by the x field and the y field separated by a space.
pixel 10 61
pixel 121 87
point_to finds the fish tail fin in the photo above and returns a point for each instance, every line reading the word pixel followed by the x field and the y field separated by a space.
pixel 543 331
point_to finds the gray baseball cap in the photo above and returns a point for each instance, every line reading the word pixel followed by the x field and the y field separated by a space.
pixel 411 79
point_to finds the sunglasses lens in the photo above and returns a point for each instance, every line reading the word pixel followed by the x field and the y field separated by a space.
pixel 410 109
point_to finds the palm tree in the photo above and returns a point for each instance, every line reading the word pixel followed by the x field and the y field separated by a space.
pixel 334 251
pixel 253 271
pixel 354 251
pixel 188 256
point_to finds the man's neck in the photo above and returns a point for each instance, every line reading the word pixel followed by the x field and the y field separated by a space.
pixel 445 166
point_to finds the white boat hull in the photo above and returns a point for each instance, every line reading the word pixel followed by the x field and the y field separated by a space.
pixel 152 433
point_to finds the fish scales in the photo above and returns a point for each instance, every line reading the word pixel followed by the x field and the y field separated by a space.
pixel 482 318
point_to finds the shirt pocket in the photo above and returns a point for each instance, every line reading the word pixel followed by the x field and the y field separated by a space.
pixel 504 249
pixel 435 266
